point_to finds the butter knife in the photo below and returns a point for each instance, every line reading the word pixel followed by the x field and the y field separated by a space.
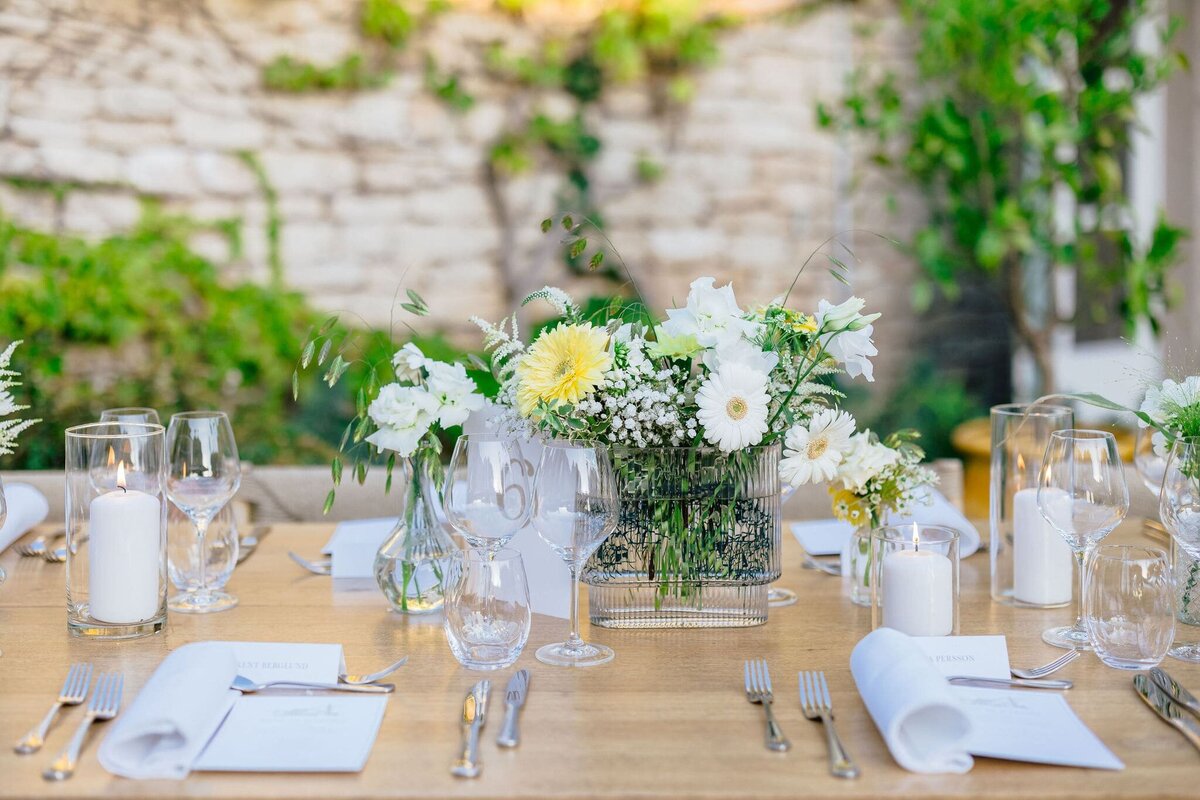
pixel 1010 683
pixel 1162 705
pixel 473 717
pixel 1176 692
pixel 514 698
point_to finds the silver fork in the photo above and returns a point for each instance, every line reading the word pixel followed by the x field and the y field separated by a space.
pixel 249 543
pixel 323 567
pixel 817 705
pixel 106 702
pixel 758 690
pixel 829 569
pixel 1044 670
pixel 36 547
pixel 361 680
pixel 73 692
pixel 56 555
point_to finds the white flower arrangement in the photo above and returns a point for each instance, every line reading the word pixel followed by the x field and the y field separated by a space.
pixel 10 427
pixel 876 478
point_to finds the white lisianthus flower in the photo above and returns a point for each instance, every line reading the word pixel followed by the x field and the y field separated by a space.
pixel 454 392
pixel 853 349
pixel 812 453
pixel 843 316
pixel 408 363
pixel 711 314
pixel 733 407
pixel 864 460
pixel 404 415
pixel 1166 401
pixel 736 349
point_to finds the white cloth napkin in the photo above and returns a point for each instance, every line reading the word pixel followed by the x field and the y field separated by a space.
pixel 26 507
pixel 175 714
pixel 930 507
pixel 913 706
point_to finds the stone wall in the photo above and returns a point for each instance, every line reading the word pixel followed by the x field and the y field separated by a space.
pixel 122 99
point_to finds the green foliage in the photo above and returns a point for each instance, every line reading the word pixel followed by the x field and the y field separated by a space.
pixel 145 307
pixel 387 20
pixel 447 87
pixel 287 74
pixel 274 219
pixel 1020 99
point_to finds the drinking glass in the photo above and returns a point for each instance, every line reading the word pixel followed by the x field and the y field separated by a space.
pixel 1129 607
pixel 487 607
pixel 574 510
pixel 486 498
pixel 1082 494
pixel 204 475
pixel 1179 507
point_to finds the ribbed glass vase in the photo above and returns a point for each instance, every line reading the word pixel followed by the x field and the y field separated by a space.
pixel 697 544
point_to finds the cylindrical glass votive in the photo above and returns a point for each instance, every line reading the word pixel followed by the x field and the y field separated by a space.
pixel 116 530
pixel 1031 564
pixel 914 579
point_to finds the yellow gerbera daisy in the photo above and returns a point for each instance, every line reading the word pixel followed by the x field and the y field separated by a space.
pixel 564 365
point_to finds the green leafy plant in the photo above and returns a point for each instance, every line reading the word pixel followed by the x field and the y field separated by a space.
pixel 288 74
pixel 1021 102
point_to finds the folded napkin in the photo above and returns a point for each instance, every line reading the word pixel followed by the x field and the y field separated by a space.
pixel 175 714
pixel 914 707
pixel 822 537
pixel 930 507
pixel 26 507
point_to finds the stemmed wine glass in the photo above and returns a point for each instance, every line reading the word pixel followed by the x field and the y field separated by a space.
pixel 1179 507
pixel 1150 465
pixel 1082 494
pixel 492 502
pixel 205 474
pixel 574 509
pixel 130 414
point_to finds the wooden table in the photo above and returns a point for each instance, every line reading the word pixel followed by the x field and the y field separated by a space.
pixel 667 718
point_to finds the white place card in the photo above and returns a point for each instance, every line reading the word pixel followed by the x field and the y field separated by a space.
pixel 1035 726
pixel 380 526
pixel 976 656
pixel 822 537
pixel 263 662
pixel 295 734
pixel 353 551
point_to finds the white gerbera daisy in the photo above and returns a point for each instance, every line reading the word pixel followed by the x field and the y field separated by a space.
pixel 812 454
pixel 733 407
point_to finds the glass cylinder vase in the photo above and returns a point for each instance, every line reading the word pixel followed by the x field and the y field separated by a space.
pixel 697 541
pixel 914 579
pixel 410 566
pixel 116 530
pixel 1187 583
pixel 1031 565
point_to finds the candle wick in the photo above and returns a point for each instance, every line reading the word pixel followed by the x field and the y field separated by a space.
pixel 123 489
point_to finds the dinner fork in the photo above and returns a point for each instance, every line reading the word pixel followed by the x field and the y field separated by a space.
pixel 106 701
pixel 1040 672
pixel 821 566
pixel 324 567
pixel 56 555
pixel 758 690
pixel 73 692
pixel 249 543
pixel 817 705
pixel 360 680
pixel 36 547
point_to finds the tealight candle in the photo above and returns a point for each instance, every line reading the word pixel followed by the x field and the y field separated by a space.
pixel 1043 567
pixel 124 554
pixel 918 591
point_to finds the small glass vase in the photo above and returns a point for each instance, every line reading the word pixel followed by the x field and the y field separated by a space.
pixel 411 565
pixel 856 566
pixel 1187 582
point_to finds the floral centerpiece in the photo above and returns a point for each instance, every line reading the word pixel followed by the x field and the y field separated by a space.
pixel 705 412
pixel 10 426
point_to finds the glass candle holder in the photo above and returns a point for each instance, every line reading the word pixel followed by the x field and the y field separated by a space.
pixel 914 579
pixel 116 524
pixel 1031 564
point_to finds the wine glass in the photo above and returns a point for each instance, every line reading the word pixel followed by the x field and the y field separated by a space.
pixel 1082 494
pixel 486 498
pixel 130 414
pixel 1130 605
pixel 205 474
pixel 1179 507
pixel 1150 465
pixel 574 509
pixel 487 607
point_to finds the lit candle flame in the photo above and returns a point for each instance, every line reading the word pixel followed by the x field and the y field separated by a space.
pixel 112 457
pixel 916 537
pixel 121 476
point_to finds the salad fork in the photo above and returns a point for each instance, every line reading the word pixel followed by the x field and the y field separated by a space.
pixel 758 691
pixel 1040 672
pixel 74 691
pixel 106 702
pixel 817 705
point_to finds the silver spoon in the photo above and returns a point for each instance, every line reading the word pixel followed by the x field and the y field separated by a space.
pixel 247 686
pixel 360 680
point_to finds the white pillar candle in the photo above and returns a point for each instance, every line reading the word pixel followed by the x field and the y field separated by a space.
pixel 1043 566
pixel 918 593
pixel 124 555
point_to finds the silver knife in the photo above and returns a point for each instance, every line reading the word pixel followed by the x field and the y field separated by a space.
pixel 1010 683
pixel 1162 705
pixel 518 685
pixel 1176 692
pixel 474 715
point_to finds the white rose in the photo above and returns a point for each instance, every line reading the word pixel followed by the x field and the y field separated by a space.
pixel 864 461
pixel 710 315
pixel 736 349
pixel 454 392
pixel 408 363
pixel 403 414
